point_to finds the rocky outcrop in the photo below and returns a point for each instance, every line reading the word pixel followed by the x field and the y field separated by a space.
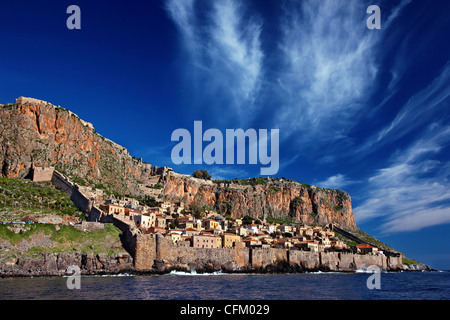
pixel 417 267
pixel 56 264
pixel 36 132
pixel 276 198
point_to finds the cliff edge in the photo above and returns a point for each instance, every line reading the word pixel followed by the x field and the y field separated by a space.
pixel 37 133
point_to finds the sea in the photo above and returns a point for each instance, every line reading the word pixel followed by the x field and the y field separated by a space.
pixel 218 286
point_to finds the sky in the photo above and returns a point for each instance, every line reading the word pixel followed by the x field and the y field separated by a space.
pixel 358 109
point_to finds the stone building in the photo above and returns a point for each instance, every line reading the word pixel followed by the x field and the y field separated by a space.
pixel 229 240
pixel 113 209
pixel 41 174
pixel 204 241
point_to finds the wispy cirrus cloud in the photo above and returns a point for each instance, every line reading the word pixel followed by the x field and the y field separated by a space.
pixel 413 192
pixel 236 48
pixel 320 77
pixel 224 51
pixel 225 173
pixel 419 110
pixel 329 73
pixel 329 59
pixel 338 181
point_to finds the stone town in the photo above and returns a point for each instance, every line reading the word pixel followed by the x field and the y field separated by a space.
pixel 213 230
pixel 169 237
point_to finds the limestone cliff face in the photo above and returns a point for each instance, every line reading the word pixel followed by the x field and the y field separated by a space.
pixel 36 132
pixel 276 198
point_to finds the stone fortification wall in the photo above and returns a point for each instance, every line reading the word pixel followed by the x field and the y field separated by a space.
pixel 129 235
pixel 42 174
pixel 264 259
pixel 358 240
pixel 62 183
pixel 76 194
pixel 304 260
pixel 159 254
pixel 80 200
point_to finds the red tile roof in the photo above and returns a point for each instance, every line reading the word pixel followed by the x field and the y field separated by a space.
pixel 364 246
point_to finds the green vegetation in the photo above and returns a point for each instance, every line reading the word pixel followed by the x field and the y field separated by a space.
pixel 202 174
pixel 8 106
pixel 369 239
pixel 347 241
pixel 148 201
pixel 156 186
pixel 81 182
pixel 228 217
pixel 341 195
pixel 224 207
pixel 58 239
pixel 20 198
pixel 245 182
pixel 247 219
pixel 297 201
pixel 408 262
pixel 285 220
pixel 274 189
pixel 198 210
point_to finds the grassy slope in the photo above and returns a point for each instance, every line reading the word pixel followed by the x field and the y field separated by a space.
pixel 25 200
pixel 370 239
pixel 21 198
pixel 38 238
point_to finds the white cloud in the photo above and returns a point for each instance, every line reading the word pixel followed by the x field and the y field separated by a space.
pixel 338 181
pixel 225 52
pixel 418 111
pixel 227 173
pixel 414 191
pixel 329 74
pixel 329 59
pixel 236 48
pixel 418 218
pixel 183 14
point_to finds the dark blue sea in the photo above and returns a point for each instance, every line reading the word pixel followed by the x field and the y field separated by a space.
pixel 179 286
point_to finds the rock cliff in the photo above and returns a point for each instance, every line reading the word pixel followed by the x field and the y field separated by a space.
pixel 35 132
pixel 277 198
pixel 56 264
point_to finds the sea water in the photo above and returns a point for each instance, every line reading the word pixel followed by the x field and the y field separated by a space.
pixel 218 286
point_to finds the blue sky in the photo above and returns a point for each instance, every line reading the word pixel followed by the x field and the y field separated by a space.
pixel 366 111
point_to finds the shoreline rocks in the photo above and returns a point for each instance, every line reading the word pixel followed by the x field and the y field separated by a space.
pixel 56 264
pixel 50 265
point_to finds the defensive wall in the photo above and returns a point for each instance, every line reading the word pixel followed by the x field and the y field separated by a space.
pixel 71 190
pixel 157 253
pixel 40 174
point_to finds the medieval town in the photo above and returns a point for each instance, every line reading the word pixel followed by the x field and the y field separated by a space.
pixel 185 228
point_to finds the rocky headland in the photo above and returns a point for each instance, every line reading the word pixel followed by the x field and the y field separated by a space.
pixel 35 133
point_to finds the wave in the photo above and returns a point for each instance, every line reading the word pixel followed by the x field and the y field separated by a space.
pixel 194 273
pixel 370 271
pixel 321 272
pixel 102 275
